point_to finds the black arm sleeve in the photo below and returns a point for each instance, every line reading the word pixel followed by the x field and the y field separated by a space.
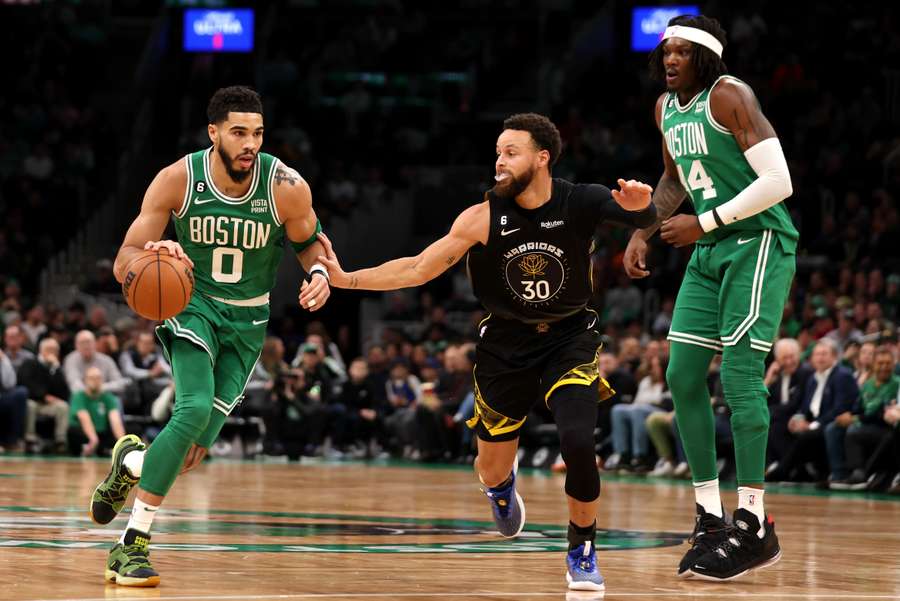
pixel 597 206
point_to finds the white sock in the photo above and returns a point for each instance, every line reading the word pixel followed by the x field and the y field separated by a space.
pixel 141 517
pixel 751 499
pixel 134 463
pixel 707 495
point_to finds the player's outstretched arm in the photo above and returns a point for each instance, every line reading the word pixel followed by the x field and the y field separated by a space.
pixel 293 199
pixel 471 227
pixel 165 194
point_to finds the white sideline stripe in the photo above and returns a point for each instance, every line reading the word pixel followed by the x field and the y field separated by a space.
pixel 661 594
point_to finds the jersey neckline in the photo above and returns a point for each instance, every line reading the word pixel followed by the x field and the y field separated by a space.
pixel 254 181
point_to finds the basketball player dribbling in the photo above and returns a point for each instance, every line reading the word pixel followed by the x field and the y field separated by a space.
pixel 721 150
pixel 232 206
pixel 527 248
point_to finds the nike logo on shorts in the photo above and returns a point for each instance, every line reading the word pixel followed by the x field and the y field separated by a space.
pixel 508 232
pixel 742 241
pixel 259 322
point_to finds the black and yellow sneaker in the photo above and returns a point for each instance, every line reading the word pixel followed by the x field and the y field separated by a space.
pixel 129 561
pixel 110 495
pixel 742 550
pixel 709 532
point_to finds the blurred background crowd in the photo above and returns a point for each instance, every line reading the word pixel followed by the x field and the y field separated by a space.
pixel 390 111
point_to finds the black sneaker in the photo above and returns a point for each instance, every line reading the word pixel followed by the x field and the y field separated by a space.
pixel 709 532
pixel 742 550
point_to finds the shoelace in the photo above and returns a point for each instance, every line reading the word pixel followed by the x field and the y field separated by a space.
pixel 116 491
pixel 137 555
pixel 696 537
pixel 586 563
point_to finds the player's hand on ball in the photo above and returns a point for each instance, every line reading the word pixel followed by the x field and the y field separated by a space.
pixel 681 230
pixel 173 247
pixel 633 196
pixel 635 260
pixel 339 278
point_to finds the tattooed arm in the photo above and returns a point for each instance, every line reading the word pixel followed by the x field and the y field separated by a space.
pixel 293 202
pixel 734 106
pixel 667 197
pixel 470 227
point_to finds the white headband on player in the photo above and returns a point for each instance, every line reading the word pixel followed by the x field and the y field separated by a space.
pixel 692 34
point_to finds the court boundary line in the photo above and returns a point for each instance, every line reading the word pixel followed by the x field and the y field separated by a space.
pixel 531 594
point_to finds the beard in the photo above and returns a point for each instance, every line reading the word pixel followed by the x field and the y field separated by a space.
pixel 513 185
pixel 237 175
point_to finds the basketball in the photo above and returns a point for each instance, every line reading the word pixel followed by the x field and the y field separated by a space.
pixel 158 285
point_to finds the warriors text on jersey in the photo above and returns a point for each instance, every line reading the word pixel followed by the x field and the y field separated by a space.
pixel 535 266
pixel 236 244
pixel 712 168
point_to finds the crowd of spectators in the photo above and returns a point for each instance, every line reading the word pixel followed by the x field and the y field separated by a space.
pixel 413 89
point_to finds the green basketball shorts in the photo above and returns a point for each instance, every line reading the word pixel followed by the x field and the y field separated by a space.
pixel 231 335
pixel 734 288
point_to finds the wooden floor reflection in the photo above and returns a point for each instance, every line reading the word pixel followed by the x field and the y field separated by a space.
pixel 260 531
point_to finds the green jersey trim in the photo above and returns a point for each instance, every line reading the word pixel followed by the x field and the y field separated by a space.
pixel 709 115
pixel 759 277
pixel 225 407
pixel 189 168
pixel 189 335
pixel 224 197
pixel 690 103
pixel 271 185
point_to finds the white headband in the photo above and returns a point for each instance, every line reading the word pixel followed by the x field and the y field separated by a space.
pixel 692 34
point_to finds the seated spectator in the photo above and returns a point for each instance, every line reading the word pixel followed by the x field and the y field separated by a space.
pixel 108 343
pixel 870 425
pixel 365 416
pixel 94 419
pixel 13 407
pixel 846 331
pixel 103 282
pixel 86 356
pixel 631 443
pixel 403 391
pixel 148 370
pixel 663 432
pixel 262 379
pixel 14 346
pixel 48 394
pixel 34 326
pixel 818 440
pixel 786 380
pixel 864 362
pixel 293 420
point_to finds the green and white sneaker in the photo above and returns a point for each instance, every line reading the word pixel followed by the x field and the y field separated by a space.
pixel 129 561
pixel 110 495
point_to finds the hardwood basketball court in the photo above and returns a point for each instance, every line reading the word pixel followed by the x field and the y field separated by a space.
pixel 265 531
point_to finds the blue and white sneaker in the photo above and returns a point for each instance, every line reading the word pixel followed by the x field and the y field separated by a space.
pixel 508 507
pixel 583 573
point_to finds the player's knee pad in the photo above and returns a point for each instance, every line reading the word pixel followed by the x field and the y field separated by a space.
pixel 582 477
pixel 686 374
pixel 575 411
pixel 190 416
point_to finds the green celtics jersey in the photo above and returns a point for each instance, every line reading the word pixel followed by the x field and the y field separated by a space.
pixel 713 169
pixel 235 243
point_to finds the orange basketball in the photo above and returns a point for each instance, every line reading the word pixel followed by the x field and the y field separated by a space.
pixel 157 285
